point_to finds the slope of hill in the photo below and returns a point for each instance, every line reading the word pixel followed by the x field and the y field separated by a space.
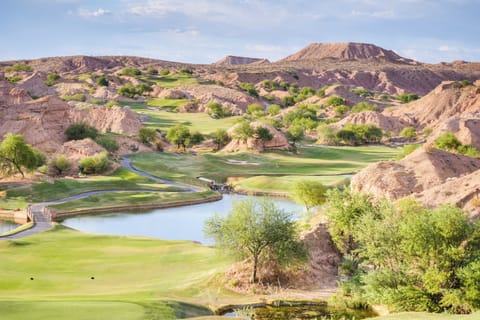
pixel 236 60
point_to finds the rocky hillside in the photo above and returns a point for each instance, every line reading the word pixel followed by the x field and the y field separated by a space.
pixel 346 51
pixel 235 60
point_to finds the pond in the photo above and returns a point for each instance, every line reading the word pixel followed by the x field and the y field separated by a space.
pixel 6 226
pixel 179 223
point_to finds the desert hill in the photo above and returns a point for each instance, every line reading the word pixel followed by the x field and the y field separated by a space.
pixel 236 60
pixel 346 51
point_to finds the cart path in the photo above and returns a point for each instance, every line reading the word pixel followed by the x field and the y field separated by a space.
pixel 41 223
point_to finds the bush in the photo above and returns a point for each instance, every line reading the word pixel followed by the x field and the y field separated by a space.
pixel 407 149
pixel 59 165
pixel 19 67
pixel 220 138
pixel 217 110
pixel 52 79
pixel 80 97
pixel 255 110
pixel 128 91
pixel 13 79
pixel 326 134
pixel 96 164
pixel 263 134
pixel 359 134
pixel 110 104
pixel 407 97
pixel 447 141
pixel 249 88
pixel 164 72
pixel 102 81
pixel 133 72
pixel 152 71
pixel 273 109
pixel 340 110
pixel 142 88
pixel 81 130
pixel 335 101
pixel 186 71
pixel 195 138
pixel 469 151
pixel 321 92
pixel 408 132
pixel 362 92
pixel 288 101
pixel 363 106
pixel 147 135
pixel 108 143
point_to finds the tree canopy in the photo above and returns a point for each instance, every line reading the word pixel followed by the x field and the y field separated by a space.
pixel 254 228
pixel 16 155
pixel 179 135
pixel 309 193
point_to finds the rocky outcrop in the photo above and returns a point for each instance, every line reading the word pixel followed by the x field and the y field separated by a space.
pixel 386 123
pixel 465 126
pixel 346 51
pixel 35 85
pixel 278 141
pixel 115 119
pixel 235 60
pixel 416 173
pixel 76 150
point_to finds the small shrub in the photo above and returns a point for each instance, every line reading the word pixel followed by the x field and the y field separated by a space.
pixel 59 165
pixel 164 72
pixel 102 81
pixel 363 106
pixel 321 92
pixel 476 202
pixel 186 71
pixel 96 164
pixel 407 149
pixel 273 109
pixel 335 101
pixel 427 131
pixel 147 135
pixel 96 101
pixel 133 72
pixel 152 71
pixel 255 109
pixel 80 97
pixel 52 79
pixel 110 104
pixel 81 130
pixel 108 143
pixel 217 110
pixel 288 101
pixel 340 110
pixel 13 79
pixel 447 141
pixel 469 151
pixel 408 97
pixel 249 88
pixel 19 67
pixel 127 90
pixel 408 132
pixel 362 92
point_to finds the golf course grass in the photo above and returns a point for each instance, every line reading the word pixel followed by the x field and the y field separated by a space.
pixel 121 179
pixel 428 316
pixel 309 162
pixel 163 120
pixel 127 277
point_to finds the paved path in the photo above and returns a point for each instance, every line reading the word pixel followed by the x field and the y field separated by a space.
pixel 41 223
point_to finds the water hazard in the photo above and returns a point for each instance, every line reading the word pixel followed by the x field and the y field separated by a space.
pixel 180 223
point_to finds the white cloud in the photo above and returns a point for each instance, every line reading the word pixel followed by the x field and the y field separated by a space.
pixel 385 14
pixel 446 48
pixel 85 13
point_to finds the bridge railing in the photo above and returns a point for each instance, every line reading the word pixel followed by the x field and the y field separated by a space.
pixel 29 214
pixel 49 213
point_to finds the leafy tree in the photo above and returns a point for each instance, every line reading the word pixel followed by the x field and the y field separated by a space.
pixel 179 135
pixel 257 230
pixel 249 88
pixel 102 81
pixel 81 130
pixel 16 155
pixel 335 101
pixel 363 106
pixel 133 72
pixel 217 110
pixel 255 110
pixel 142 88
pixel 51 79
pixel 263 133
pixel 59 165
pixel 152 71
pixel 96 164
pixel 243 131
pixel 300 114
pixel 309 193
pixel 195 138
pixel 295 133
pixel 128 90
pixel 447 141
pixel 273 109
pixel 108 143
pixel 147 135
pixel 288 101
pixel 346 136
pixel 326 134
pixel 220 138
pixel 409 133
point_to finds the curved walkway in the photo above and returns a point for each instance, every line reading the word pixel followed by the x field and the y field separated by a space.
pixel 41 223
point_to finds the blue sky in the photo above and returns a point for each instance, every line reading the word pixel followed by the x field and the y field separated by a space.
pixel 203 31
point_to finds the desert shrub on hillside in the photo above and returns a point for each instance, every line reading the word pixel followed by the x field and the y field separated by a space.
pixel 303 114
pixel 96 164
pixel 152 71
pixel 164 72
pixel 186 71
pixel 321 92
pixel 340 110
pixel 13 79
pixel 255 110
pixel 108 143
pixel 79 97
pixel 407 97
pixel 133 72
pixel 52 79
pixel 363 106
pixel 130 91
pixel 147 135
pixel 326 134
pixel 59 165
pixel 408 132
pixel 359 134
pixel 362 92
pixel 19 67
pixel 249 88
pixel 288 101
pixel 217 110
pixel 102 81
pixel 273 109
pixel 335 101
pixel 220 138
pixel 81 130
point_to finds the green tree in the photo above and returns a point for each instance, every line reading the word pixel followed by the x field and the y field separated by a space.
pixel 81 130
pixel 147 135
pixel 346 136
pixel 255 110
pixel 59 165
pixel 195 138
pixel 326 134
pixel 19 67
pixel 96 164
pixel 217 110
pixel 309 193
pixel 220 138
pixel 16 155
pixel 164 72
pixel 102 81
pixel 408 132
pixel 447 141
pixel 257 230
pixel 152 71
pixel 407 97
pixel 243 131
pixel 295 133
pixel 133 72
pixel 263 133
pixel 143 88
pixel 179 135
pixel 128 90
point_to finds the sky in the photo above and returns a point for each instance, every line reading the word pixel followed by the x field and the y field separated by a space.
pixel 203 31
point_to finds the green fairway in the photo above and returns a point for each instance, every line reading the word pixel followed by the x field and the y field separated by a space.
pixel 283 184
pixel 428 316
pixel 163 120
pixel 126 199
pixel 62 263
pixel 310 161
pixel 121 179
pixel 171 80
pixel 171 104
